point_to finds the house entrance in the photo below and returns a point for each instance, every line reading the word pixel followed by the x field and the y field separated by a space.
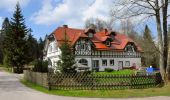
pixel 120 65
pixel 95 65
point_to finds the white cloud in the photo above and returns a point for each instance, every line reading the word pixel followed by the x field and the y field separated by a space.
pixel 71 12
pixel 10 4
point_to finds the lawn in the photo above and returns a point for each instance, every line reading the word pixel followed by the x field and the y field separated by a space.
pixel 121 72
pixel 164 91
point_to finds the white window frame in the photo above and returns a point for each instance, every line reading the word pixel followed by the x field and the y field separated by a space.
pixel 127 63
pixel 104 63
pixel 50 49
pixel 112 62
pixel 83 63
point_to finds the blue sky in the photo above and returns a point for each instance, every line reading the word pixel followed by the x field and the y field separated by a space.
pixel 44 16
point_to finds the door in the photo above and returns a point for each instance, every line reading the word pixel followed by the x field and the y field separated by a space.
pixel 120 65
pixel 95 65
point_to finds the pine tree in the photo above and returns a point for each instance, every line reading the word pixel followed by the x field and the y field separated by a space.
pixel 151 57
pixel 15 41
pixel 67 59
pixel 147 34
pixel 40 48
pixel 5 27
pixel 32 48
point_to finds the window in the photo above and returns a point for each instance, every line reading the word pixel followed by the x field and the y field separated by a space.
pixel 104 62
pixel 111 62
pixel 107 43
pixel 83 62
pixel 55 47
pixel 82 46
pixel 50 49
pixel 129 48
pixel 127 63
pixel 90 35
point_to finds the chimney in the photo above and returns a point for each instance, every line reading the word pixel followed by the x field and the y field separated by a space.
pixel 105 30
pixel 65 26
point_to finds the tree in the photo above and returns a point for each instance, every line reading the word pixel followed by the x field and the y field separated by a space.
pixel 5 27
pixel 32 48
pixel 127 26
pixel 157 9
pixel 41 43
pixel 99 24
pixel 67 58
pixel 15 41
pixel 151 55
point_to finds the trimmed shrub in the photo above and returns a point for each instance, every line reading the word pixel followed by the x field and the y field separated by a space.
pixel 108 69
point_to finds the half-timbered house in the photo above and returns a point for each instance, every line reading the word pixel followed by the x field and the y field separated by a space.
pixel 98 50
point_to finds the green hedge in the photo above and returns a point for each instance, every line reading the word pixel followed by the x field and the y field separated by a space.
pixel 108 69
pixel 40 66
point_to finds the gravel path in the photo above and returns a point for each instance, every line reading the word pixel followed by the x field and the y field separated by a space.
pixel 12 89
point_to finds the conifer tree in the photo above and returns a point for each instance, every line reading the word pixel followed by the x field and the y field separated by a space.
pixel 5 27
pixel 32 48
pixel 151 57
pixel 15 41
pixel 67 59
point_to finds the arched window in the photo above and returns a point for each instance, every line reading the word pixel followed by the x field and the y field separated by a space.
pixel 83 62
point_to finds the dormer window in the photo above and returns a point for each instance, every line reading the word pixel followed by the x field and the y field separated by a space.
pixel 108 43
pixel 90 35
pixel 129 48
pixel 112 35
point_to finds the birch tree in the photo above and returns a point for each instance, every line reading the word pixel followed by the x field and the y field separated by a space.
pixel 157 9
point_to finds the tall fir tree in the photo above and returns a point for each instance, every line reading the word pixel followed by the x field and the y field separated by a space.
pixel 15 41
pixel 151 57
pixel 40 49
pixel 4 30
pixel 5 27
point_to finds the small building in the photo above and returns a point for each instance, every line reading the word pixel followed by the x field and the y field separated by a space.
pixel 98 50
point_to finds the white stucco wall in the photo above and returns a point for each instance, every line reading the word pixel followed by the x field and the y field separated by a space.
pixel 54 54
pixel 137 61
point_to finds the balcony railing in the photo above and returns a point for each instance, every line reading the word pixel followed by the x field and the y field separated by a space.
pixel 109 54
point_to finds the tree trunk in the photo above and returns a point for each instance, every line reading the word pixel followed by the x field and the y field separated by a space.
pixel 168 66
pixel 165 33
pixel 160 43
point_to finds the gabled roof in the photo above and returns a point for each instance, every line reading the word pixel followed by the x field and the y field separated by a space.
pixel 118 43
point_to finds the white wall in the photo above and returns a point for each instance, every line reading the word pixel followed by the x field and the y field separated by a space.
pixel 54 54
pixel 137 61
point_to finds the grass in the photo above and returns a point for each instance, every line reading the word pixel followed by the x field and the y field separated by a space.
pixel 164 91
pixel 121 72
pixel 7 69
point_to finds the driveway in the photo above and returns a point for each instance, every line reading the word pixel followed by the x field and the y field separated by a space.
pixel 12 89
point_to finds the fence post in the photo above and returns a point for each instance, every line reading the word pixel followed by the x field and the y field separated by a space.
pixel 158 78
pixel 49 81
pixel 131 82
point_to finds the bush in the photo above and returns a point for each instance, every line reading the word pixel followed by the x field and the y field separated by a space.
pixel 40 66
pixel 108 69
